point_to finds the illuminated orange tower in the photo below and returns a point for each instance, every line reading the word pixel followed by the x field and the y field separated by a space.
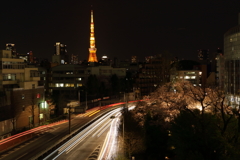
pixel 92 50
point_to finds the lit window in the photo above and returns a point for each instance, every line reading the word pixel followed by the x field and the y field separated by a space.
pixel 200 73
pixel 67 85
pixel 79 84
pixel 9 76
pixel 193 77
pixel 79 79
pixel 41 116
pixel 190 73
pixel 45 104
pixel 61 84
pixel 194 85
pixel 187 77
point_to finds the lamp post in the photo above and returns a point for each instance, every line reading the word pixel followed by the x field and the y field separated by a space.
pixel 39 113
pixel 125 107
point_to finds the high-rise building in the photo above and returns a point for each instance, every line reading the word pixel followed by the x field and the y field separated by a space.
pixel 92 50
pixel 60 49
pixel 203 54
pixel 232 61
pixel 60 56
pixel 152 73
pixel 11 47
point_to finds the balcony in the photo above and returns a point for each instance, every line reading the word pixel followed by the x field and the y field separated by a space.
pixel 5 82
pixel 34 78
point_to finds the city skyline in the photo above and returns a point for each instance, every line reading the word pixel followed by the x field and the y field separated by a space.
pixel 122 28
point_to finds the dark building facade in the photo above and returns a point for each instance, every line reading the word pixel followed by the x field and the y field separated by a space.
pixel 203 54
pixel 60 55
pixel 154 72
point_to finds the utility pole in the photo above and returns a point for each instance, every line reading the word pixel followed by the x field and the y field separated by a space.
pixel 39 113
pixel 124 110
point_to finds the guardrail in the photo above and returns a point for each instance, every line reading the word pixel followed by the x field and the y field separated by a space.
pixel 19 138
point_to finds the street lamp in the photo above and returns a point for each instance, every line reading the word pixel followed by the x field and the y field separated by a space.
pixel 44 106
pixel 39 113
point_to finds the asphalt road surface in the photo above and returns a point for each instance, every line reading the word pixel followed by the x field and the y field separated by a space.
pixel 27 151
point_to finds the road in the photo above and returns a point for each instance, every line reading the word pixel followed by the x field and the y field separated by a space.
pixel 38 145
pixel 93 141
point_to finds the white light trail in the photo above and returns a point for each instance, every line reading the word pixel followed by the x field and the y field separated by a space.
pixel 69 145
pixel 109 148
pixel 131 108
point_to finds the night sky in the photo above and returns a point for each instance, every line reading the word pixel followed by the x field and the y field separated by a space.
pixel 122 27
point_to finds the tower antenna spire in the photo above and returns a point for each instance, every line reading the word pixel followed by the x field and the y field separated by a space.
pixel 92 50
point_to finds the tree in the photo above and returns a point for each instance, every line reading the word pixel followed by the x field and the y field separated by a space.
pixel 92 85
pixel 152 119
pixel 170 99
pixel 212 122
pixel 156 136
pixel 215 111
pixel 14 113
pixel 193 137
pixel 11 111
pixel 133 143
pixel 102 89
pixel 115 85
pixel 33 107
pixel 60 101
